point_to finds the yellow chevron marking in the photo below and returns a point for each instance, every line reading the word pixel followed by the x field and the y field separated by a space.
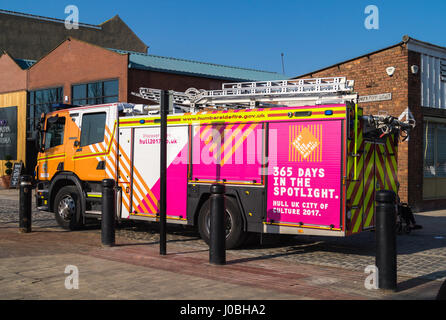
pixel 238 143
pixel 369 193
pixel 228 142
pixel 204 132
pixel 125 164
pixel 225 136
pixel 358 221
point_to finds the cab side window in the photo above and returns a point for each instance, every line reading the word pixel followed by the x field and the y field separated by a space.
pixel 54 132
pixel 93 128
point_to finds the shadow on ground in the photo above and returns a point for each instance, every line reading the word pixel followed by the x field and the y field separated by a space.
pixel 432 236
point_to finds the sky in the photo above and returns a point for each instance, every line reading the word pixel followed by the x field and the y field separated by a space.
pixel 253 33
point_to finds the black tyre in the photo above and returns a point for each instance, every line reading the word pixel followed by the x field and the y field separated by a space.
pixel 67 206
pixel 235 236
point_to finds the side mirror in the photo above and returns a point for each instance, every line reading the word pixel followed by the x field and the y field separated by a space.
pixel 37 136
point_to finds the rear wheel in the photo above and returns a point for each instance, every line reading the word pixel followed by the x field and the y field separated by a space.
pixel 235 236
pixel 67 206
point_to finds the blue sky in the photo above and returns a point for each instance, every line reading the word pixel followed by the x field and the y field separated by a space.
pixel 253 34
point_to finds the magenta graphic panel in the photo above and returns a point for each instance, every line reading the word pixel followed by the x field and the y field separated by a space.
pixel 146 184
pixel 230 151
pixel 304 181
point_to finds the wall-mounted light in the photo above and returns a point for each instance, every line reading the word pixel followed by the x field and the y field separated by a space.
pixel 390 71
pixel 414 69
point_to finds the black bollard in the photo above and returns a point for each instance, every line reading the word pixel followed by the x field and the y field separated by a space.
pixel 217 250
pixel 25 204
pixel 386 239
pixel 108 212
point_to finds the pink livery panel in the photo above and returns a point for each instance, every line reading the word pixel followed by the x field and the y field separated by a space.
pixel 304 173
pixel 146 171
pixel 230 152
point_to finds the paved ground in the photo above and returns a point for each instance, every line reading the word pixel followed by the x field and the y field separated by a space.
pixel 32 265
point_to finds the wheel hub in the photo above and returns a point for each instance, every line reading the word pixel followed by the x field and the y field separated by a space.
pixel 66 207
pixel 227 224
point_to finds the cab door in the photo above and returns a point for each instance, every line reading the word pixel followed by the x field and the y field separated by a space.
pixel 52 159
pixel 72 137
pixel 93 145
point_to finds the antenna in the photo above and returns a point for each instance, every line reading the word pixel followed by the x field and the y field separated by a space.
pixel 283 66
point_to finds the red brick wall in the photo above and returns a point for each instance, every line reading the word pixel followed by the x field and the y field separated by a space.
pixel 12 77
pixel 75 62
pixel 369 74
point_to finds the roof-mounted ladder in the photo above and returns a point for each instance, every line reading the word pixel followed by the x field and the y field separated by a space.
pixel 252 93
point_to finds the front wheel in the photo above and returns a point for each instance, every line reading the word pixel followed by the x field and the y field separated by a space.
pixel 67 207
pixel 235 236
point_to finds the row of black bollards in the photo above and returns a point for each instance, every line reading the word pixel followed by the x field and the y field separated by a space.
pixel 385 214
pixel 217 250
pixel 217 246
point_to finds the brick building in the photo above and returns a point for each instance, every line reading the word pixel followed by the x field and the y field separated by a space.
pixel 418 84
pixel 79 73
pixel 30 36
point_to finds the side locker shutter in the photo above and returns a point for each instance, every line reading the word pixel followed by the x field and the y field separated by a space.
pixel 381 176
pixel 124 170
pixel 355 175
pixel 369 185
pixel 359 188
pixel 391 164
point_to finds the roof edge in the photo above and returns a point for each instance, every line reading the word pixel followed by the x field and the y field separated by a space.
pixel 4 52
pixel 426 48
pixel 410 39
pixel 69 38
pixel 117 17
pixel 192 74
pixel 192 61
pixel 46 19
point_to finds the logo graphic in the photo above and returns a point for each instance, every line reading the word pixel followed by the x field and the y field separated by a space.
pixel 306 143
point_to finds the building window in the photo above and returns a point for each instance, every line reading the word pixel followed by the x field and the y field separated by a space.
pixel 54 132
pixel 41 101
pixel 96 93
pixel 434 155
pixel 93 128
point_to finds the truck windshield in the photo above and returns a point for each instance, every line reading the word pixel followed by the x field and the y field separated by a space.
pixel 54 132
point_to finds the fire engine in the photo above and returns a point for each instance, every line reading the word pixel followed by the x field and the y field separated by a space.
pixel 296 157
